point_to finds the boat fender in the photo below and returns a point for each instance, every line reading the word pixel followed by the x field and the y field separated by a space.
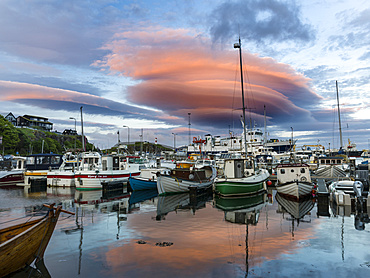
pixel 269 183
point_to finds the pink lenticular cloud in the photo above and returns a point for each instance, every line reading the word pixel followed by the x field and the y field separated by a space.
pixel 180 72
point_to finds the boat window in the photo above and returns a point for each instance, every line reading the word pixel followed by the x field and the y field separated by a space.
pixel 292 170
pixel 338 161
pixel 30 160
pixel 303 170
pixel 42 160
pixel 55 159
pixel 282 171
pixel 96 160
pixel 327 161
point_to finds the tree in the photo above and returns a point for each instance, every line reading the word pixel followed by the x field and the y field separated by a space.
pixel 9 136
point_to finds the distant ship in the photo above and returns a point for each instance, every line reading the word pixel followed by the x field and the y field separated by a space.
pixel 255 141
pixel 280 146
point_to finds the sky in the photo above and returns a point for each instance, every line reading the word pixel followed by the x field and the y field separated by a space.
pixel 138 68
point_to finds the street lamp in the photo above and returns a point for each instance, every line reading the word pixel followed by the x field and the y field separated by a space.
pixel 128 136
pixel 71 118
pixel 174 141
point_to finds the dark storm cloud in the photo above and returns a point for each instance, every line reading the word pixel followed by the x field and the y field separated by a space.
pixel 259 21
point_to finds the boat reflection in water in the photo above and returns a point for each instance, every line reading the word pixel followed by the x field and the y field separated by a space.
pixel 181 201
pixel 297 209
pixel 60 191
pixel 140 196
pixel 243 210
pixel 357 206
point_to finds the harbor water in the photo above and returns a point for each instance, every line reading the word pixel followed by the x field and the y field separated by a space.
pixel 118 234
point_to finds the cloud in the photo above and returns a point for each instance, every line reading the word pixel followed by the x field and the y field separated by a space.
pixel 260 20
pixel 62 32
pixel 179 74
pixel 59 99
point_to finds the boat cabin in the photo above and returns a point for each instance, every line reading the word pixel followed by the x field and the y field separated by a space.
pixel 13 163
pixel 329 161
pixel 43 161
pixel 293 172
pixel 93 161
pixel 237 168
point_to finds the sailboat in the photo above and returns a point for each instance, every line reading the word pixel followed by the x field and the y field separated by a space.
pixel 237 179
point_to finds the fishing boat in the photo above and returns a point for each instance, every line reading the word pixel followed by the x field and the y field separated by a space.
pixel 12 171
pixel 240 180
pixel 93 169
pixel 294 180
pixel 147 179
pixel 186 177
pixel 24 243
pixel 65 175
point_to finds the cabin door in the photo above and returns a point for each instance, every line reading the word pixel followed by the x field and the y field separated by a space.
pixel 115 163
pixel 239 168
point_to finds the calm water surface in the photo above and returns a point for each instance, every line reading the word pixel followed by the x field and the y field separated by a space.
pixel 143 235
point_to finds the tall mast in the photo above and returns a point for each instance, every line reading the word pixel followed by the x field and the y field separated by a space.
pixel 239 45
pixel 264 116
pixel 340 125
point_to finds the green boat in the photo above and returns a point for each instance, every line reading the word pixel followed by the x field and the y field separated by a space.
pixel 236 180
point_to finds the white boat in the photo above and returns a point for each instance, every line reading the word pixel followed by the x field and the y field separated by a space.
pixel 65 175
pixel 184 179
pixel 12 171
pixel 343 191
pixel 294 180
pixel 93 169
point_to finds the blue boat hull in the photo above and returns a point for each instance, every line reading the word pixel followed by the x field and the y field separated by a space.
pixel 142 184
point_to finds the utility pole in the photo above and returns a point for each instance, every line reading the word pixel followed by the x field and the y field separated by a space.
pixel 82 131
pixel 71 118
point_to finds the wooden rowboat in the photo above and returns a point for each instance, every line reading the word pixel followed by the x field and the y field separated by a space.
pixel 24 243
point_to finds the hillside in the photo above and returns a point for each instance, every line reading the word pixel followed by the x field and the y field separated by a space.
pixel 24 141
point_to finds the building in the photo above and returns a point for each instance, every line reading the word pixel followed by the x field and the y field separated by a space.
pixel 34 121
pixel 70 132
pixel 10 117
